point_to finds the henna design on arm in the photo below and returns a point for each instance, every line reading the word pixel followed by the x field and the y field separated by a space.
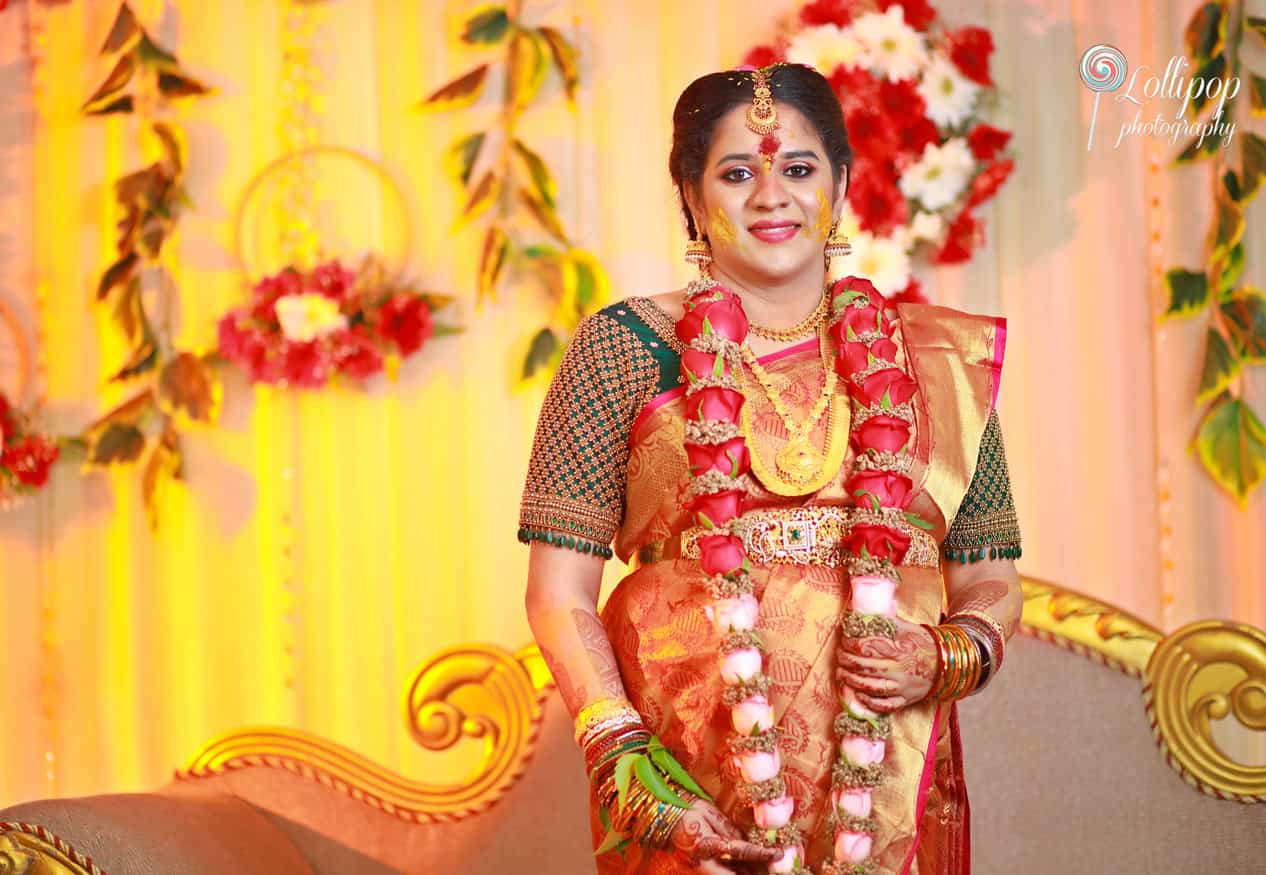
pixel 575 696
pixel 593 635
pixel 988 596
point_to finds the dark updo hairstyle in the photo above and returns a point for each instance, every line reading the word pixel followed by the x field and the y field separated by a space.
pixel 710 97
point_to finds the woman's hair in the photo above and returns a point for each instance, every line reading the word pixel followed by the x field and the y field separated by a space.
pixel 710 97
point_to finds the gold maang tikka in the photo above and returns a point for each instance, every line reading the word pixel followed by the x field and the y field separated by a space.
pixel 762 117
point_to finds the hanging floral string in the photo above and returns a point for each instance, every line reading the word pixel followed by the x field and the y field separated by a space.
pixel 505 179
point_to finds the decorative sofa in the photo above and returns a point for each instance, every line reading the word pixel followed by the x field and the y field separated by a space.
pixel 1094 751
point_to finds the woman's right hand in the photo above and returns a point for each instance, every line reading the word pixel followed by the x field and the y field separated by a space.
pixel 707 840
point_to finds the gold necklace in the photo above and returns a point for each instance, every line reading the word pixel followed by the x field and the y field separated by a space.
pixel 794 332
pixel 799 468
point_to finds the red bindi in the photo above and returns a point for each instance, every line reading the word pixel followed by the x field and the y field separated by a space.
pixel 769 146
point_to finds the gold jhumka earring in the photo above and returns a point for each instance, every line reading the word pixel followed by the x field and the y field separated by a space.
pixel 837 245
pixel 699 253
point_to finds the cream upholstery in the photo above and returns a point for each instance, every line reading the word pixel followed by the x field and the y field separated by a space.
pixel 1063 772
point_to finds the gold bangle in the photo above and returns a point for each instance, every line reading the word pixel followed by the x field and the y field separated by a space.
pixel 610 710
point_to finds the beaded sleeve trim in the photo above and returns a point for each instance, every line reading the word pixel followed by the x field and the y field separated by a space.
pixel 986 525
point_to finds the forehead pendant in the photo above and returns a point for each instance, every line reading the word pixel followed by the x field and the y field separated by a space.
pixel 762 118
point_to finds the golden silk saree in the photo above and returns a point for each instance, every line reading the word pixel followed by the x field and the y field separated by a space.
pixel 664 642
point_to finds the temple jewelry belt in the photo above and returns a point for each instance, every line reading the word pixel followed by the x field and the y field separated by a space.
pixel 797 536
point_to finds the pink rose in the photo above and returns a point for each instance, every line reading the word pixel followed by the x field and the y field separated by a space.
pixel 852 846
pixel 890 488
pixel 850 801
pixel 737 614
pixel 758 765
pixel 791 856
pixel 720 507
pixel 873 594
pixel 730 458
pixel 885 433
pixel 714 403
pixel 862 751
pixel 885 349
pixel 854 707
pixel 754 712
pixel 895 383
pixel 696 364
pixel 774 813
pixel 721 554
pixel 740 665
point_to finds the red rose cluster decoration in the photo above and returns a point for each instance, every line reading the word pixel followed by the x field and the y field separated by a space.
pixel 303 328
pixel 912 91
pixel 25 455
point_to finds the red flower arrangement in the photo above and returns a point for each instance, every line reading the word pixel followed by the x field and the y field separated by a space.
pixel 912 91
pixel 303 328
pixel 25 455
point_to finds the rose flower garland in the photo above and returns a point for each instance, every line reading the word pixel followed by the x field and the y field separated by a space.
pixel 25 455
pixel 712 328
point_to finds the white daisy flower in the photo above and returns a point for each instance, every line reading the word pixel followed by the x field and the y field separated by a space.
pixel 950 96
pixel 927 226
pixel 308 316
pixel 824 48
pixel 940 175
pixel 891 47
pixel 881 260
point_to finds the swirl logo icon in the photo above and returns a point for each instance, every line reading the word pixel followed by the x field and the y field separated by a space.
pixel 1102 69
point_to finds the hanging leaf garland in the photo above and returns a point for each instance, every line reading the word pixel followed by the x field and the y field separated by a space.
pixel 513 188
pixel 180 386
pixel 1231 441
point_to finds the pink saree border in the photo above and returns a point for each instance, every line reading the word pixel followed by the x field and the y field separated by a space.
pixel 664 397
pixel 999 350
pixel 925 787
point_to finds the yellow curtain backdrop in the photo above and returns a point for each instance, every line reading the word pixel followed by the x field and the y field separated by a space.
pixel 324 544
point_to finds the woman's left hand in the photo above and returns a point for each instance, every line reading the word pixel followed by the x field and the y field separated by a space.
pixel 889 673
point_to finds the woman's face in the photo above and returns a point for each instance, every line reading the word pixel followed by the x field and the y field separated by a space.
pixel 766 224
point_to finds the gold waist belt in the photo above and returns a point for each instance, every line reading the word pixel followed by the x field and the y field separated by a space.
pixel 797 536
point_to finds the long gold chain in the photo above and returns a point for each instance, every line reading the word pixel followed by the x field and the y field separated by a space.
pixel 793 332
pixel 794 429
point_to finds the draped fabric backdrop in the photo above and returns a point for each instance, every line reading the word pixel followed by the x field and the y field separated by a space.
pixel 325 544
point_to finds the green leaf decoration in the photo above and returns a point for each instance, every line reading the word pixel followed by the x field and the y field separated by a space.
pixel 545 216
pixel 108 91
pixel 650 778
pixel 586 283
pixel 1228 269
pixel 1214 68
pixel 460 158
pixel 128 313
pixel 624 777
pixel 491 260
pixel 546 252
pixel 144 358
pixel 542 179
pixel 564 55
pixel 1245 316
pixel 1252 165
pixel 673 769
pixel 173 148
pixel 540 351
pixel 164 465
pixel 120 105
pixel 1195 150
pixel 121 273
pixel 462 91
pixel 481 197
pixel 1256 24
pixel 151 54
pixel 1231 444
pixel 1188 292
pixel 1256 95
pixel 188 385
pixel 487 26
pixel 526 69
pixel 1228 222
pixel 1221 365
pixel 1202 35
pixel 122 33
pixel 116 443
pixel 175 85
pixel 918 522
pixel 610 842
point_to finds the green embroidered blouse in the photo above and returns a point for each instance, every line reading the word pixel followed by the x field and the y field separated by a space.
pixel 619 359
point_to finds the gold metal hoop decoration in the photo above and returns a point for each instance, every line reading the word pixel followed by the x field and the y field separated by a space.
pixel 15 356
pixel 373 207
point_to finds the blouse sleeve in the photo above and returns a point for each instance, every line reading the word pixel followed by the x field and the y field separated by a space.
pixel 986 525
pixel 574 495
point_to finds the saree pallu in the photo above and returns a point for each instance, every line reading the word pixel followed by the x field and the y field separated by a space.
pixel 667 648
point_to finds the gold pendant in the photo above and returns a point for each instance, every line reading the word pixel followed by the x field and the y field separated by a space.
pixel 798 461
